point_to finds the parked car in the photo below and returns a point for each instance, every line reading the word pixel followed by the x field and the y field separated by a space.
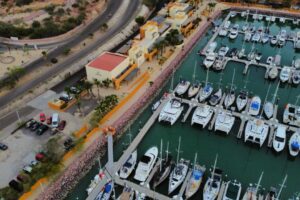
pixel 68 144
pixel 23 178
pixel 27 169
pixel 16 185
pixel 62 125
pixel 42 129
pixel 49 120
pixel 3 147
pixel 30 123
pixel 55 120
pixel 74 90
pixel 65 97
pixel 42 117
pixel 40 156
pixel 35 126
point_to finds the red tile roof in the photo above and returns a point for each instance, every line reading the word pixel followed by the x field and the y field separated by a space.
pixel 107 61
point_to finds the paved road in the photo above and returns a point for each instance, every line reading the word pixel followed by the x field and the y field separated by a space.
pixel 112 7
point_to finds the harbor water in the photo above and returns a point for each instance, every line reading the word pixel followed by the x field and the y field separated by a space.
pixel 241 161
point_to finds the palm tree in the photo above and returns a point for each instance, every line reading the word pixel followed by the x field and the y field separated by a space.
pixel 98 85
pixel 68 90
pixel 87 85
pixel 78 102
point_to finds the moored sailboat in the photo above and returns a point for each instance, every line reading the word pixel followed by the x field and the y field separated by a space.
pixel 252 193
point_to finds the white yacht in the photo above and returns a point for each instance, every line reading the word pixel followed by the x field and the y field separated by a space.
pixel 223 32
pixel 268 109
pixel 146 164
pixel 223 51
pixel 216 97
pixel 279 138
pixel 294 144
pixel 282 19
pixel 252 192
pixel 209 60
pixel 296 63
pixel 219 63
pixel 202 115
pixel 182 87
pixel 232 191
pixel 256 131
pixel 285 74
pixel 139 196
pixel 297 41
pixel 274 39
pixel 273 18
pixel 224 122
pixel 178 175
pixel 265 38
pixel 268 18
pixel 256 37
pixel 213 185
pixel 255 105
pixel 273 73
pixel 248 36
pixel 229 99
pixel 194 89
pixel 234 32
pixel 282 37
pixel 291 115
pixel 233 14
pixel 227 24
pixel 254 16
pixel 195 180
pixel 242 100
pixel 260 17
pixel 106 191
pixel 211 47
pixel 296 77
pixel 171 111
pixel 270 60
pixel 129 165
pixel 205 92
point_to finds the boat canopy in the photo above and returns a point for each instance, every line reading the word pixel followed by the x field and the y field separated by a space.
pixel 107 188
pixel 295 146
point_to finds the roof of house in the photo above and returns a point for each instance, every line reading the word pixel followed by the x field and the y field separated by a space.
pixel 107 61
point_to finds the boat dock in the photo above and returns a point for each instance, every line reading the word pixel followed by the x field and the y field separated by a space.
pixel 153 171
pixel 222 190
pixel 185 182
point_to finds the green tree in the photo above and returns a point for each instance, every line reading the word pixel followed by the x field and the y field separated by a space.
pixel 87 85
pixel 13 76
pixel 35 24
pixel 140 20
pixel 98 85
pixel 150 3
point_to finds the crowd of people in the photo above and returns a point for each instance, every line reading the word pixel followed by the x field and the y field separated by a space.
pixel 71 176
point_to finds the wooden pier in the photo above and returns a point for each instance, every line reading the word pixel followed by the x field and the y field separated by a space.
pixel 222 191
pixel 185 182
pixel 153 171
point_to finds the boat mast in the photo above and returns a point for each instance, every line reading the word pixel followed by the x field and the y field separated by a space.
pixel 297 100
pixel 178 150
pixel 167 151
pixel 276 91
pixel 246 81
pixel 281 187
pixel 231 87
pixel 213 172
pixel 161 156
pixel 195 160
pixel 206 80
pixel 172 82
pixel 194 73
pixel 259 180
pixel 265 100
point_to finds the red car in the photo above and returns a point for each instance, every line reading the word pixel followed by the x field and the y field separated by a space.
pixel 62 125
pixel 49 120
pixel 42 117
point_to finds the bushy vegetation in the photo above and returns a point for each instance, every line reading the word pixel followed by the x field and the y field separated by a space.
pixel 150 3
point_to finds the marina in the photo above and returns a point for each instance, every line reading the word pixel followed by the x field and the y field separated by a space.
pixel 231 148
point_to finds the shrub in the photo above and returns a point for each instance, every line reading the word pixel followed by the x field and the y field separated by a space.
pixel 54 60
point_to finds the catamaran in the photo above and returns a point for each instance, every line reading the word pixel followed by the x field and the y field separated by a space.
pixel 254 106
pixel 294 144
pixel 213 183
pixel 279 138
pixel 285 74
pixel 256 131
pixel 179 172
pixel 232 190
pixel 195 180
pixel 224 122
pixel 146 164
pixel 202 115
pixel 164 167
pixel 182 87
pixel 252 192
pixel 171 112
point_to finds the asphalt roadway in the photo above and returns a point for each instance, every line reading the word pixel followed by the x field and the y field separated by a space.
pixel 112 7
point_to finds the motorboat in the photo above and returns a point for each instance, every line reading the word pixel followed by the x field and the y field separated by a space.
pixel 252 192
pixel 106 191
pixel 285 74
pixel 277 60
pixel 243 14
pixel 252 29
pixel 127 194
pixel 271 194
pixel 227 24
pixel 182 87
pixel 255 16
pixel 295 21
pixel 233 14
pixel 256 131
pixel 232 191
pixel 273 72
pixel 274 39
pixel 213 185
pixel 270 60
pixel 194 89
pixel 229 99
pixel 178 175
pixel 268 109
pixel 202 115
pixel 155 105
pixel 297 41
pixel 223 51
pixel 241 53
pixel 256 37
pixel 282 19
pixel 296 64
pixel 129 165
pixel 255 105
pixel 223 32
pixel 296 77
pixel 242 100
pixel 195 180
pixel 265 38
pixel 209 60
pixel 291 115
pixel 282 37
pixel 258 56
pixel 268 18
pixel 224 122
pixel 260 17
pixel 233 52
pixel 164 171
pixel 146 164
pixel 234 31
pixel 245 27
pixel 219 63
pixel 211 47
pixel 171 111
pixel 205 92
pixel 294 144
pixel 248 36
pixel 273 18
pixel 279 138
pixel 216 97
pixel 251 56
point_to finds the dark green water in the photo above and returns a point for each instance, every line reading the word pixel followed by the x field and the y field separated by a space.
pixel 240 161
